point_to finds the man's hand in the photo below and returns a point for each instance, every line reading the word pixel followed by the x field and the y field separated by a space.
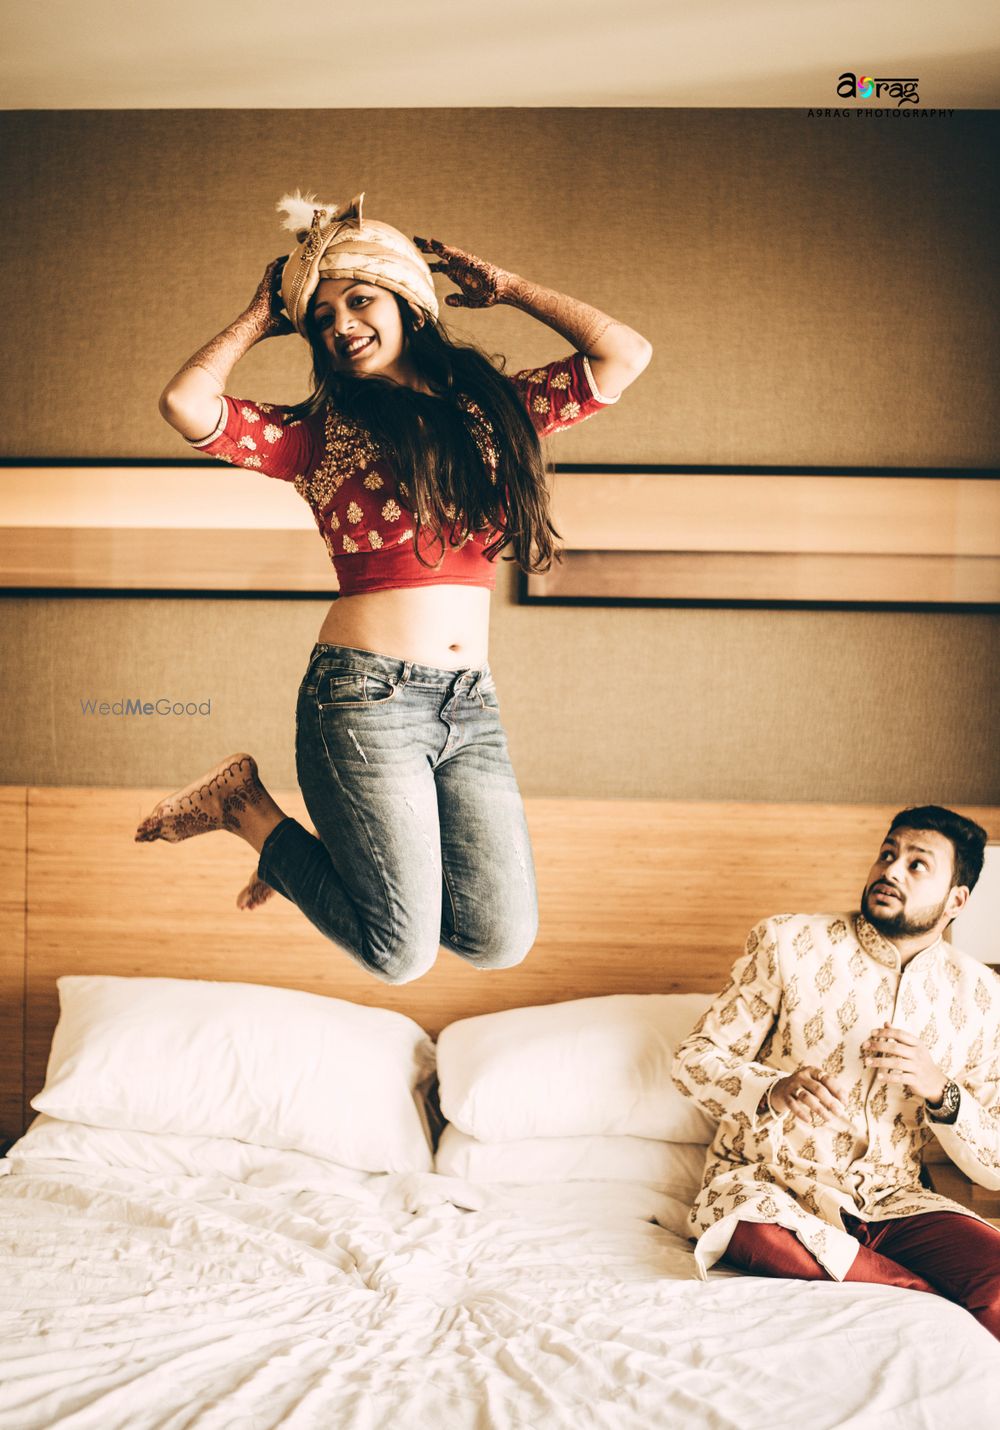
pixel 900 1057
pixel 809 1093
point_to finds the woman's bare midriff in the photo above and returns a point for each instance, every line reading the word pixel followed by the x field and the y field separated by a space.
pixel 442 626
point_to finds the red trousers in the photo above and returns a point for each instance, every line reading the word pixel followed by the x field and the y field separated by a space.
pixel 941 1252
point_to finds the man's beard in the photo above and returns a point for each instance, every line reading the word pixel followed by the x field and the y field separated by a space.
pixel 904 924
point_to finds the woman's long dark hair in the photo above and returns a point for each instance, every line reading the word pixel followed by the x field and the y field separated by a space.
pixel 428 438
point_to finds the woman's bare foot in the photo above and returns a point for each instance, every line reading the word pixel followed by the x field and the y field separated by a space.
pixel 216 801
pixel 254 893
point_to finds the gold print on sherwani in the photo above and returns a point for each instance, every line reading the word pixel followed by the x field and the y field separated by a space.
pixel 883 996
pixel 843 1145
pixel 957 1015
pixel 879 1100
pixel 814 1029
pixel 847 1013
pixel 803 943
pixel 900 1131
pixel 833 1063
pixel 928 1034
pixel 909 1001
pixel 825 975
pixel 749 974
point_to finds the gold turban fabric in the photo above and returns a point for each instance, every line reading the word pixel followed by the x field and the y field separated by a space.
pixel 341 243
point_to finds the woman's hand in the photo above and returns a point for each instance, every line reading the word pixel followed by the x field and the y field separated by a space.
pixel 190 401
pixel 899 1057
pixel 809 1093
pixel 482 283
pixel 265 308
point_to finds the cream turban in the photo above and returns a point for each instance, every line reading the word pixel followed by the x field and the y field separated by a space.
pixel 338 242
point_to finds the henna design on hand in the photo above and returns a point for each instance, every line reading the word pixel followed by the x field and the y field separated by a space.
pixel 262 318
pixel 578 322
pixel 483 284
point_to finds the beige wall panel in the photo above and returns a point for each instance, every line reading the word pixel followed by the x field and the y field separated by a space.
pixel 645 703
pixel 817 294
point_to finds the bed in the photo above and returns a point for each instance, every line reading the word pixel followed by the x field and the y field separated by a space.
pixel 185 1245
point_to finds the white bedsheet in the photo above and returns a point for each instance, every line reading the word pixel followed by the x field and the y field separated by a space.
pixel 422 1303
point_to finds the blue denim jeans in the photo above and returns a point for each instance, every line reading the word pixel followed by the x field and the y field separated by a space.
pixel 422 837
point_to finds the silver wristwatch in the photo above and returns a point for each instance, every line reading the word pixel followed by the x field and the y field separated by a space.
pixel 947 1109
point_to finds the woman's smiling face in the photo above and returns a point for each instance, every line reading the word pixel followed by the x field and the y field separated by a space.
pixel 361 327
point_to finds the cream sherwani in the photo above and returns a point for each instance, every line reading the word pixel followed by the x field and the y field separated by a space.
pixel 808 991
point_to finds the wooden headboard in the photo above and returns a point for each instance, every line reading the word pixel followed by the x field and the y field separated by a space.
pixel 635 897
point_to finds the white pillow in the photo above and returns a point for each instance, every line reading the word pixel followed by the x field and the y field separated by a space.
pixel 675 1167
pixel 591 1067
pixel 166 1154
pixel 269 1066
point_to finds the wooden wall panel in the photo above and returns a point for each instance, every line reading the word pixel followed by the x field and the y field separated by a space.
pixel 636 897
pixel 13 821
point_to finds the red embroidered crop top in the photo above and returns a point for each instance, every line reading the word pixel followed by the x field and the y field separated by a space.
pixel 349 482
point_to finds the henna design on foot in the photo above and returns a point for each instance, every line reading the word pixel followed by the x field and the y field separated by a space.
pixel 215 801
pixel 254 893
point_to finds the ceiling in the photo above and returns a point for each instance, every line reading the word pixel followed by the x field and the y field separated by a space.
pixel 265 54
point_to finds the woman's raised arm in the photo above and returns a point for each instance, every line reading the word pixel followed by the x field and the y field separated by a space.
pixel 190 400
pixel 616 352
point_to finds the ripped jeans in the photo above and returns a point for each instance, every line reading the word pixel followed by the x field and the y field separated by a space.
pixel 422 836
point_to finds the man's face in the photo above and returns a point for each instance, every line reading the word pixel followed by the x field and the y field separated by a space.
pixel 910 890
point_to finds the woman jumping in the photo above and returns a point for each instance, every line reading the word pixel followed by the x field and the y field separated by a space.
pixel 421 463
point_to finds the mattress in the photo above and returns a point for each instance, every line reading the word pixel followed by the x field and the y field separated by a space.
pixel 357 1302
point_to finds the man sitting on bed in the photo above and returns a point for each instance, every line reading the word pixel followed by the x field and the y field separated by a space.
pixel 843 1044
